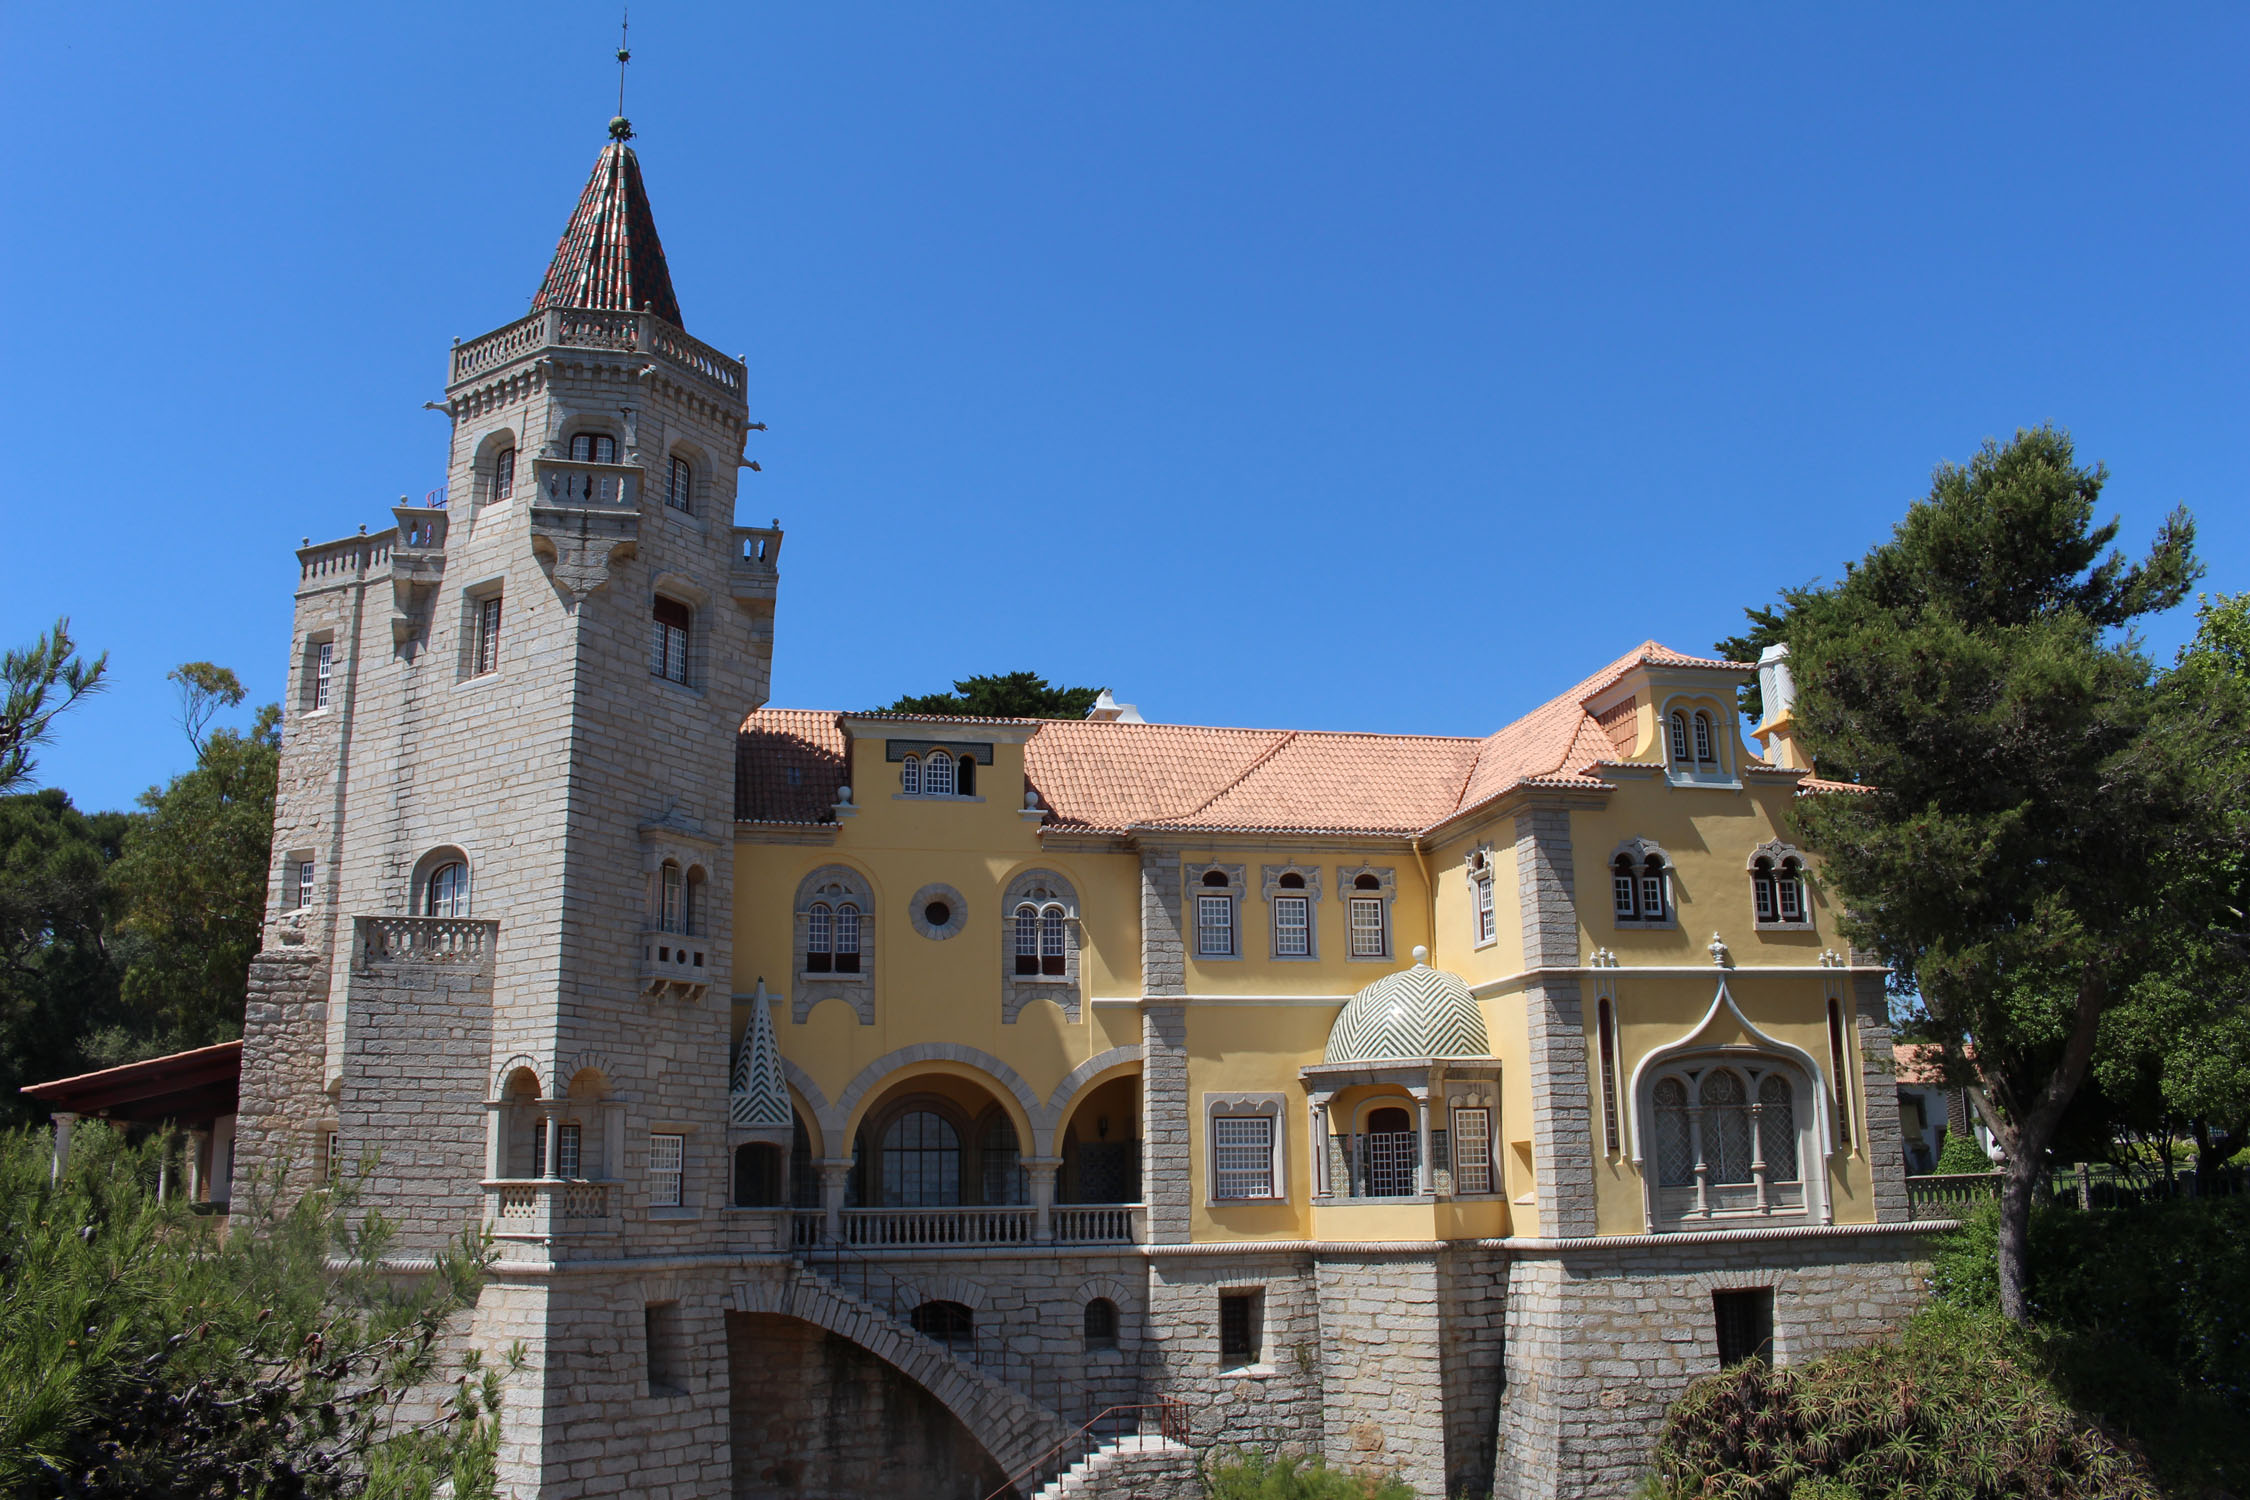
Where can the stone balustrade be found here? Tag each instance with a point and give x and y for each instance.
(353, 554)
(1949, 1195)
(901, 1227)
(539, 1207)
(592, 328)
(462, 941)
(1099, 1223)
(566, 483)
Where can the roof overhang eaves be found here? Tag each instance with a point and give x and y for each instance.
(1553, 791)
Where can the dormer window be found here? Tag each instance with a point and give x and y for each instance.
(937, 775)
(680, 488)
(593, 448)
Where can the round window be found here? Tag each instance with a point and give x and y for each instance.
(937, 914)
(937, 911)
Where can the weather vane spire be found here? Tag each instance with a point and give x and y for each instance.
(620, 128)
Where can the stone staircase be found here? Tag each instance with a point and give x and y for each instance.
(1141, 1468)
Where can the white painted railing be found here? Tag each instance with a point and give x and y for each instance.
(1096, 1223)
(937, 1226)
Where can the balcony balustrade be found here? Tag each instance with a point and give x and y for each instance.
(594, 328)
(878, 1229)
(540, 1207)
(461, 941)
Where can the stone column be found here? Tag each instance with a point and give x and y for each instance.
(1042, 1170)
(1318, 1113)
(198, 1142)
(1878, 1098)
(550, 1165)
(1562, 1144)
(1425, 1178)
(835, 1176)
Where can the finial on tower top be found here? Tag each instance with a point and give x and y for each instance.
(620, 128)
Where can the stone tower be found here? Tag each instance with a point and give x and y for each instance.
(497, 960)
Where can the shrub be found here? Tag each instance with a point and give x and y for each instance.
(1955, 1410)
(1257, 1475)
(1962, 1154)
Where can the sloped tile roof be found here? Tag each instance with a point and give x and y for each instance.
(1114, 777)
(609, 257)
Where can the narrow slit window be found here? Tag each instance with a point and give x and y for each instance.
(305, 877)
(669, 654)
(504, 474)
(1481, 887)
(679, 491)
(488, 634)
(1841, 1093)
(324, 667)
(669, 899)
(1606, 1021)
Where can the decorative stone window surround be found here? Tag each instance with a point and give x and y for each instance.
(1482, 866)
(856, 990)
(1269, 877)
(1191, 878)
(956, 905)
(1778, 850)
(417, 894)
(1777, 1182)
(1273, 1107)
(1639, 850)
(1347, 892)
(1718, 772)
(896, 751)
(473, 597)
(488, 450)
(1040, 887)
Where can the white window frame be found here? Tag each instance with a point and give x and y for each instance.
(1649, 889)
(934, 782)
(568, 1142)
(1214, 923)
(1201, 947)
(667, 1169)
(1471, 1123)
(1271, 1111)
(1368, 925)
(1349, 891)
(1292, 925)
(1484, 919)
(308, 879)
(910, 776)
(324, 670)
(1782, 884)
(1309, 891)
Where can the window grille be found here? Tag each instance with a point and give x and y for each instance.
(1292, 927)
(1051, 956)
(1238, 1328)
(1214, 926)
(1487, 929)
(1726, 1127)
(305, 878)
(668, 656)
(667, 1175)
(1389, 1161)
(324, 666)
(1368, 938)
(937, 775)
(488, 634)
(679, 491)
(1606, 1022)
(566, 1151)
(1703, 746)
(910, 776)
(504, 474)
(1472, 1150)
(1675, 1150)
(593, 448)
(668, 908)
(447, 894)
(1745, 1325)
(1777, 1128)
(1242, 1153)
(1101, 1324)
(539, 1147)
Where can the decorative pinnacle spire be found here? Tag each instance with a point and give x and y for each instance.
(620, 128)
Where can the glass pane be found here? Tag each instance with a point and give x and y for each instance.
(1292, 935)
(1242, 1156)
(1367, 929)
(1214, 926)
(1777, 1128)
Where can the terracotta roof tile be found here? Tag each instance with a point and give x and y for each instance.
(1109, 776)
(609, 257)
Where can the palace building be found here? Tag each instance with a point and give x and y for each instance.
(868, 1103)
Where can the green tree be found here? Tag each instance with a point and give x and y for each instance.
(193, 876)
(2029, 787)
(33, 678)
(1016, 695)
(58, 977)
(141, 1355)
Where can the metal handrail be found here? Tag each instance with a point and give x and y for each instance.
(1171, 1425)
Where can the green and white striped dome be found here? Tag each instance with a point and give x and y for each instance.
(1414, 1013)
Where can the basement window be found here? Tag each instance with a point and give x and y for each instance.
(1238, 1329)
(667, 1354)
(1745, 1325)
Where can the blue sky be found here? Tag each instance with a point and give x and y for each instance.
(1379, 367)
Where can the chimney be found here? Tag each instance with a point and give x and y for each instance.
(1777, 734)
(1108, 710)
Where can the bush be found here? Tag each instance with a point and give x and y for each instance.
(141, 1355)
(1962, 1154)
(1256, 1475)
(1957, 1409)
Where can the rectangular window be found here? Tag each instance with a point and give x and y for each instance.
(1292, 927)
(324, 666)
(305, 877)
(1238, 1328)
(332, 1156)
(1369, 940)
(1745, 1325)
(1486, 928)
(539, 1147)
(1472, 1150)
(1792, 896)
(1761, 887)
(1214, 926)
(1242, 1156)
(667, 1175)
(847, 939)
(1652, 898)
(668, 658)
(668, 909)
(488, 634)
(677, 492)
(1621, 887)
(661, 1337)
(566, 1152)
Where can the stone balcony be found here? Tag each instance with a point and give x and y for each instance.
(462, 943)
(673, 966)
(540, 1208)
(874, 1231)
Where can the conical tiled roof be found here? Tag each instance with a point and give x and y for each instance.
(757, 1097)
(1414, 1013)
(610, 257)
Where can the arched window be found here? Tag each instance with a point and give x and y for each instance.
(965, 775)
(820, 938)
(1727, 1141)
(1005, 1179)
(1027, 939)
(593, 448)
(757, 1175)
(1680, 738)
(446, 893)
(1726, 1127)
(1777, 1129)
(1706, 751)
(921, 1162)
(679, 490)
(1605, 1022)
(1480, 897)
(1675, 1146)
(1842, 1094)
(847, 938)
(1388, 1156)
(1653, 904)
(1101, 1324)
(504, 474)
(670, 898)
(910, 776)
(937, 775)
(1639, 888)
(950, 1323)
(832, 907)
(1051, 956)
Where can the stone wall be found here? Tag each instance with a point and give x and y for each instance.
(1382, 1392)
(417, 1041)
(284, 1041)
(1275, 1402)
(1601, 1340)
(815, 1417)
(1561, 1115)
(1472, 1288)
